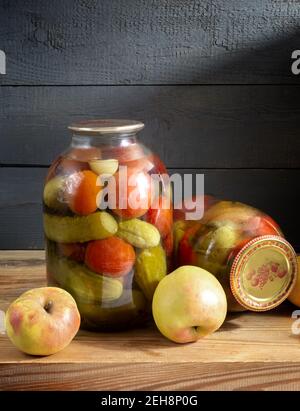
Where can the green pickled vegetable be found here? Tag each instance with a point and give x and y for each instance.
(82, 283)
(96, 226)
(179, 228)
(151, 267)
(131, 307)
(217, 243)
(139, 233)
(54, 193)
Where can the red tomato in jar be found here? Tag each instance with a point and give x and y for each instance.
(111, 256)
(161, 217)
(124, 154)
(159, 167)
(168, 243)
(149, 163)
(75, 251)
(186, 253)
(82, 191)
(189, 206)
(143, 164)
(237, 249)
(85, 154)
(65, 166)
(131, 195)
(262, 225)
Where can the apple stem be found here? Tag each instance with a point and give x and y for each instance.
(48, 306)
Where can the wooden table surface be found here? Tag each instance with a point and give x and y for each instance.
(252, 351)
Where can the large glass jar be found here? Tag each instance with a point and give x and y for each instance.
(244, 248)
(108, 228)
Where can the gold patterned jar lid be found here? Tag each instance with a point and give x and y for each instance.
(263, 273)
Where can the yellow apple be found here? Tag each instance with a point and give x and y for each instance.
(189, 304)
(294, 296)
(42, 321)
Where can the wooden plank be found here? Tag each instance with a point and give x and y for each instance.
(21, 208)
(192, 376)
(271, 190)
(142, 42)
(253, 351)
(189, 126)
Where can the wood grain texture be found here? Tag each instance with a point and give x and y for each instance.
(253, 351)
(188, 126)
(270, 190)
(148, 42)
(189, 376)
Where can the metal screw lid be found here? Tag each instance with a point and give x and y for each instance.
(106, 126)
(263, 273)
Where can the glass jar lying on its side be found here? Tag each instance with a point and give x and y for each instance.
(107, 244)
(244, 248)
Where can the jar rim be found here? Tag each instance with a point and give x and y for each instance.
(106, 126)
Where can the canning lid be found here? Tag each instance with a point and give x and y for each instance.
(106, 126)
(263, 273)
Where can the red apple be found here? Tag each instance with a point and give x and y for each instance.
(42, 321)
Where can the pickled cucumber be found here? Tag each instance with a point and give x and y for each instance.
(225, 211)
(218, 270)
(82, 283)
(54, 193)
(131, 307)
(151, 267)
(75, 229)
(179, 228)
(217, 243)
(139, 233)
(221, 272)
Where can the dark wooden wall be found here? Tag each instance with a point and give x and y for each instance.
(211, 79)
